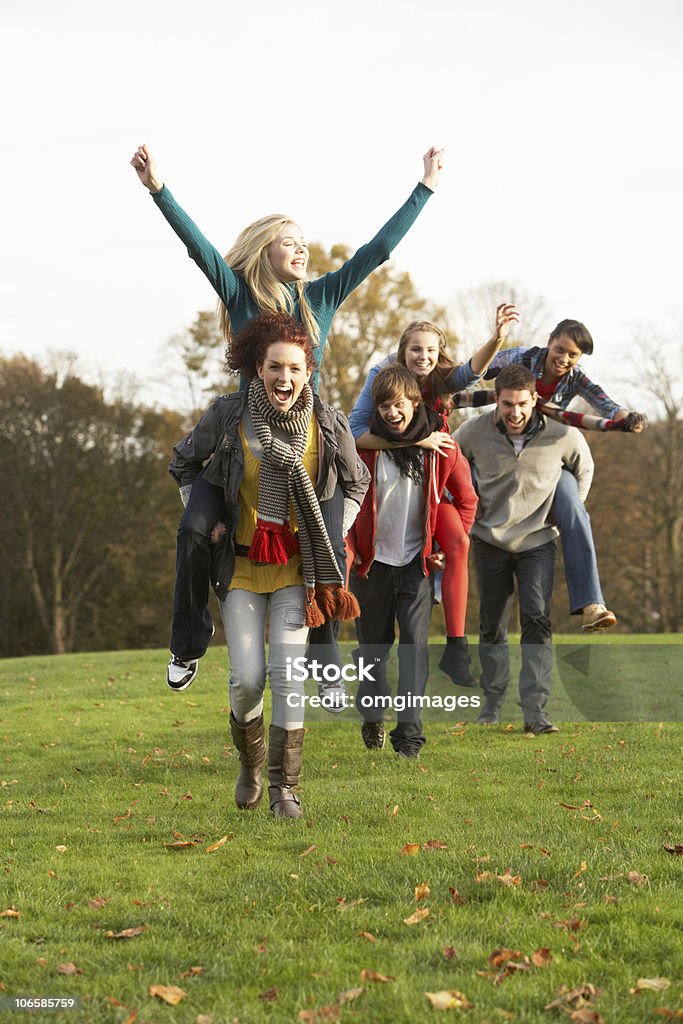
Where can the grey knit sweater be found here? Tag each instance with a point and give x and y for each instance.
(516, 490)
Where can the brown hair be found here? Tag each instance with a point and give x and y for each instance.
(436, 386)
(515, 378)
(250, 346)
(395, 382)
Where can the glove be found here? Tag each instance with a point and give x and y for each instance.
(351, 510)
(634, 421)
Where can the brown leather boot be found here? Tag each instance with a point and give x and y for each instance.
(250, 743)
(285, 749)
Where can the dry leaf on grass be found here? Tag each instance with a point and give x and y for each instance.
(128, 933)
(573, 998)
(319, 1016)
(271, 995)
(367, 975)
(98, 902)
(434, 844)
(449, 952)
(69, 969)
(635, 878)
(422, 891)
(170, 994)
(204, 1018)
(11, 912)
(501, 956)
(456, 897)
(449, 1000)
(309, 850)
(673, 848)
(507, 878)
(651, 984)
(217, 845)
(586, 1017)
(369, 936)
(418, 916)
(181, 845)
(410, 849)
(192, 972)
(349, 995)
(542, 957)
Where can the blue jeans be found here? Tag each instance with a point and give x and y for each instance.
(496, 573)
(403, 594)
(580, 560)
(244, 619)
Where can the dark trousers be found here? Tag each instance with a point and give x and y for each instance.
(393, 594)
(192, 624)
(496, 572)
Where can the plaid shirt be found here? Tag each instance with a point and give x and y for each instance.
(572, 384)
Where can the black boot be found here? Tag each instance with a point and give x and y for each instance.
(285, 752)
(250, 743)
(455, 661)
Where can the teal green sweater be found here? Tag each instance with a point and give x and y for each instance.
(325, 295)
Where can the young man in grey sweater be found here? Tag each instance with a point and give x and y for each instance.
(517, 456)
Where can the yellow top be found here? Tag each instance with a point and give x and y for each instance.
(264, 579)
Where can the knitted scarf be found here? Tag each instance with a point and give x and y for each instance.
(409, 460)
(582, 420)
(283, 480)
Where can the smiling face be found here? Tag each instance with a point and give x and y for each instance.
(288, 254)
(421, 353)
(397, 412)
(563, 355)
(284, 373)
(515, 409)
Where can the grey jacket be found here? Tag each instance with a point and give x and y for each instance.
(216, 438)
(516, 491)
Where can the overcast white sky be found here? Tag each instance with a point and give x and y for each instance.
(562, 123)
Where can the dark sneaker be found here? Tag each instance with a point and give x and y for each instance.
(489, 714)
(180, 674)
(332, 696)
(411, 752)
(540, 726)
(373, 735)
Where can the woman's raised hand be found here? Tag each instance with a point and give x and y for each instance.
(439, 441)
(506, 314)
(146, 168)
(433, 164)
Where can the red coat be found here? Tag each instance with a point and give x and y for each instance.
(442, 472)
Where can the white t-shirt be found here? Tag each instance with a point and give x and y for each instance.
(400, 513)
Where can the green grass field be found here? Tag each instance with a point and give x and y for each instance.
(549, 849)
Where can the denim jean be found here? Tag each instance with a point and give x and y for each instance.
(392, 594)
(244, 619)
(496, 572)
(192, 623)
(578, 547)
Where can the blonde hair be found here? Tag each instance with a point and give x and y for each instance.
(249, 257)
(436, 385)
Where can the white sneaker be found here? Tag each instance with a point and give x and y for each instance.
(332, 696)
(179, 673)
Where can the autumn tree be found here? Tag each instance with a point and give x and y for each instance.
(89, 507)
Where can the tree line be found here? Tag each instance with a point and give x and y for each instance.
(90, 513)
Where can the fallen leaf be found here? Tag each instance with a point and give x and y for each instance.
(422, 891)
(586, 1017)
(410, 849)
(217, 845)
(127, 933)
(584, 867)
(331, 861)
(349, 995)
(635, 878)
(501, 956)
(309, 850)
(367, 975)
(580, 996)
(542, 957)
(574, 807)
(98, 902)
(369, 936)
(61, 849)
(673, 848)
(434, 844)
(192, 972)
(11, 912)
(418, 916)
(323, 1013)
(271, 995)
(181, 845)
(69, 969)
(653, 984)
(449, 1000)
(449, 952)
(663, 1011)
(170, 994)
(456, 897)
(204, 1018)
